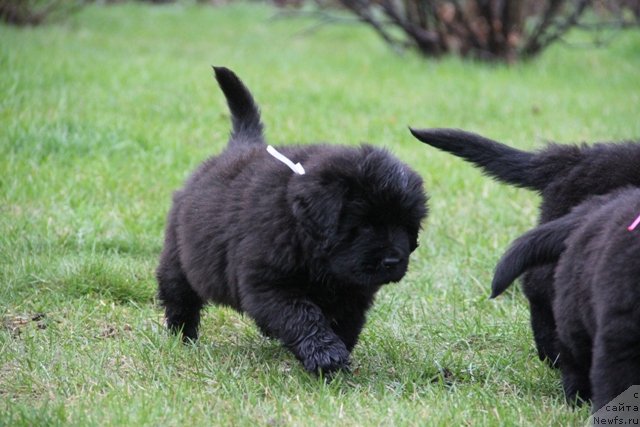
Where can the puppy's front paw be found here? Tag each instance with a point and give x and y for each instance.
(326, 358)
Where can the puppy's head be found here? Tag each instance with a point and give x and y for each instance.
(362, 209)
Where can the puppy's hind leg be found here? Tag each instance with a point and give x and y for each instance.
(575, 378)
(543, 326)
(537, 286)
(181, 303)
(616, 361)
(301, 326)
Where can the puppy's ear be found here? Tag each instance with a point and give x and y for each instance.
(317, 208)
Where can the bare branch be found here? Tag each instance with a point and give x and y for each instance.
(362, 10)
(426, 41)
(21, 12)
(486, 11)
(557, 31)
(533, 43)
(471, 34)
(486, 29)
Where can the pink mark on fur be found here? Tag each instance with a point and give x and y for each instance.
(635, 224)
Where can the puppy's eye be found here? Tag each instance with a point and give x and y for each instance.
(358, 231)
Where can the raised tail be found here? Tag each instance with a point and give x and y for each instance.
(498, 160)
(245, 115)
(542, 245)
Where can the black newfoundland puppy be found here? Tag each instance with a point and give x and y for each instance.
(299, 240)
(597, 291)
(564, 175)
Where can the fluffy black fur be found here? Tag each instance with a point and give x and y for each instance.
(564, 175)
(303, 255)
(597, 292)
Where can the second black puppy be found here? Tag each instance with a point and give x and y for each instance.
(300, 240)
(564, 175)
(597, 291)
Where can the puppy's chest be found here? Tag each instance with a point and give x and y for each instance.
(333, 298)
(336, 302)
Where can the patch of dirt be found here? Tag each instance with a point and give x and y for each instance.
(17, 323)
(112, 331)
(444, 376)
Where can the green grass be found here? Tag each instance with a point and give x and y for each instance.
(104, 115)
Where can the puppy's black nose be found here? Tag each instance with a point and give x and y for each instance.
(390, 262)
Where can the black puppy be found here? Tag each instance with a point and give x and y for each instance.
(597, 291)
(299, 245)
(564, 175)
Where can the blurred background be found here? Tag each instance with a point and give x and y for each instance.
(492, 30)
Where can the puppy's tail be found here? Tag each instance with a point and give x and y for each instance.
(245, 115)
(498, 160)
(542, 245)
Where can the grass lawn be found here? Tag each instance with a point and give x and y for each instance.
(104, 115)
